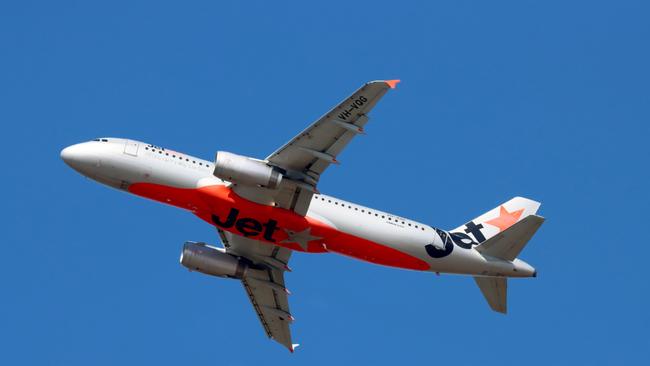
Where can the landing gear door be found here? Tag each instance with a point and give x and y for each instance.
(131, 148)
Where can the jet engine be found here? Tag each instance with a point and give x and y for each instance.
(212, 261)
(246, 171)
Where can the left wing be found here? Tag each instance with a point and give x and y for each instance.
(303, 159)
(264, 284)
(314, 149)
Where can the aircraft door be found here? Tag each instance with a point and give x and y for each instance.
(131, 148)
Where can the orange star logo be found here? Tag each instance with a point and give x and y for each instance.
(505, 219)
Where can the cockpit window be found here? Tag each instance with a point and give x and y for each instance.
(101, 140)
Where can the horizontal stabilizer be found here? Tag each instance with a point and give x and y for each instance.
(509, 243)
(495, 291)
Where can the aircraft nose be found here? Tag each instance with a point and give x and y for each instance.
(72, 154)
(79, 157)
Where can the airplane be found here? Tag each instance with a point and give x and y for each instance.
(264, 210)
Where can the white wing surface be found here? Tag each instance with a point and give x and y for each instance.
(495, 291)
(315, 148)
(264, 284)
(303, 159)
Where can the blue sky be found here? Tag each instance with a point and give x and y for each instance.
(546, 99)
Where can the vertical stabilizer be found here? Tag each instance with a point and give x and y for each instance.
(498, 219)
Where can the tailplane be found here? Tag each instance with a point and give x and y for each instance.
(498, 219)
(495, 291)
(502, 233)
(508, 244)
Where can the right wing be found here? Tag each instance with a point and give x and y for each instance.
(264, 284)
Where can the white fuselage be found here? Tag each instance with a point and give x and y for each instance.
(350, 229)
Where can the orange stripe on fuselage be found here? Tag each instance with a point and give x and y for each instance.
(261, 222)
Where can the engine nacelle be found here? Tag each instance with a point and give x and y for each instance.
(212, 261)
(246, 171)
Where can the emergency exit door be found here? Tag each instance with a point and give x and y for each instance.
(131, 148)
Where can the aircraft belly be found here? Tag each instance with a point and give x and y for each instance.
(265, 208)
(369, 238)
(322, 230)
(165, 171)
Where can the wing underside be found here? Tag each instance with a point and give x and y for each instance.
(264, 284)
(302, 160)
(305, 157)
(315, 148)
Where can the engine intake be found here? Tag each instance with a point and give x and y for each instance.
(246, 171)
(212, 261)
